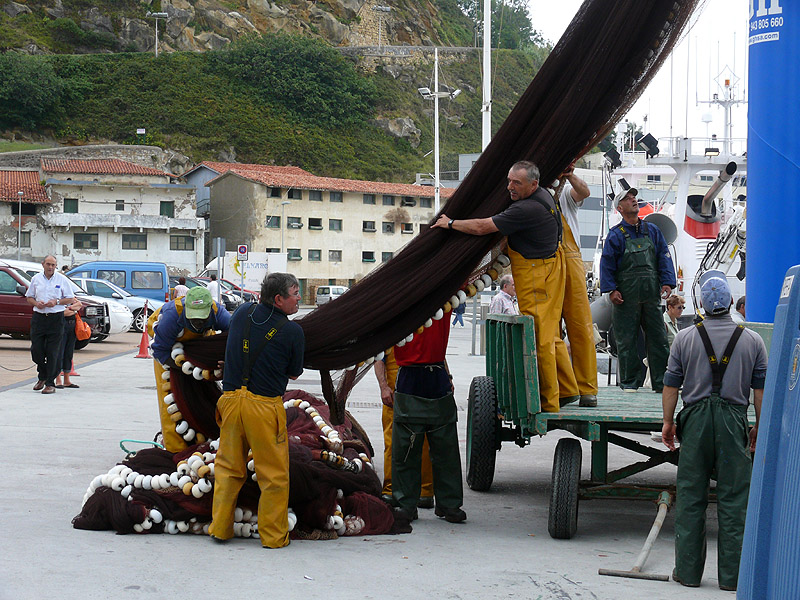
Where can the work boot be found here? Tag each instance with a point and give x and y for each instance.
(568, 400)
(451, 515)
(588, 400)
(676, 578)
(425, 502)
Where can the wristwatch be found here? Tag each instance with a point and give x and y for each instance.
(450, 223)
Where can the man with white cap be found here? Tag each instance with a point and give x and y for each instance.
(636, 271)
(717, 362)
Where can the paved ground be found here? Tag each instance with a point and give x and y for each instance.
(54, 445)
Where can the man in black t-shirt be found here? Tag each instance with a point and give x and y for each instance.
(263, 352)
(533, 226)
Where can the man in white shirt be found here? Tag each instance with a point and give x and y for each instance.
(503, 302)
(214, 288)
(49, 293)
(181, 289)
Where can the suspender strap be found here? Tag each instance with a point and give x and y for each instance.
(718, 367)
(643, 229)
(553, 211)
(250, 358)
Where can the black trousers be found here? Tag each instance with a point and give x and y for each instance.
(46, 332)
(67, 346)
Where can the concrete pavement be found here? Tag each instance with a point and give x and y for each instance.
(54, 445)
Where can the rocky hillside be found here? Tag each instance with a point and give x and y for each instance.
(90, 26)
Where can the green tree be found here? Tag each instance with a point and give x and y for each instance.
(511, 26)
(306, 76)
(30, 92)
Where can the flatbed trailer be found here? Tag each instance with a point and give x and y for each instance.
(504, 406)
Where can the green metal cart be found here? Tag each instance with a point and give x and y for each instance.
(504, 407)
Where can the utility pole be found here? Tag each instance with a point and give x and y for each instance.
(157, 16)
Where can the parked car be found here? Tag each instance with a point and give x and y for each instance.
(121, 317)
(148, 279)
(16, 313)
(136, 304)
(230, 301)
(326, 293)
(232, 288)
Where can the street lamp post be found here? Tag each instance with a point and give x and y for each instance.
(19, 225)
(436, 94)
(283, 220)
(157, 16)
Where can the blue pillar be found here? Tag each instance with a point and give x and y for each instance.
(773, 153)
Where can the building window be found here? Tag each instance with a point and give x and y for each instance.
(406, 228)
(294, 222)
(70, 205)
(25, 239)
(335, 255)
(273, 221)
(294, 194)
(314, 255)
(120, 204)
(274, 192)
(167, 209)
(272, 250)
(314, 223)
(134, 241)
(408, 201)
(369, 198)
(84, 241)
(368, 226)
(336, 196)
(386, 256)
(315, 195)
(367, 256)
(387, 227)
(335, 224)
(181, 242)
(293, 254)
(27, 209)
(388, 200)
(426, 202)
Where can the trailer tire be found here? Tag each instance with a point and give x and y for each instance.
(483, 433)
(562, 522)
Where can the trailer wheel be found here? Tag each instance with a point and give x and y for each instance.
(563, 520)
(483, 433)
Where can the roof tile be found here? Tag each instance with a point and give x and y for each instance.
(27, 182)
(104, 166)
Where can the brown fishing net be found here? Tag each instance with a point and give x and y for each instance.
(599, 68)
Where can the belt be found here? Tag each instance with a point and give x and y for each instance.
(52, 314)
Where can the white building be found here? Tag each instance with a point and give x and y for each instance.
(104, 209)
(334, 231)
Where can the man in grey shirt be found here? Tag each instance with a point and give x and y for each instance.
(712, 428)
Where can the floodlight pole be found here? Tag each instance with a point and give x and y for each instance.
(157, 16)
(19, 225)
(436, 180)
(486, 109)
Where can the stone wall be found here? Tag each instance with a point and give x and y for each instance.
(147, 156)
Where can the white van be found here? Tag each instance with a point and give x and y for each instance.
(326, 293)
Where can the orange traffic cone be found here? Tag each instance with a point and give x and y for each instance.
(144, 347)
(73, 372)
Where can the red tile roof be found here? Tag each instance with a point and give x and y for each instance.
(12, 182)
(312, 182)
(104, 166)
(224, 167)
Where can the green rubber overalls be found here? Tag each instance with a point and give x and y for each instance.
(638, 282)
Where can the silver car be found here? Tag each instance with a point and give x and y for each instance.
(136, 304)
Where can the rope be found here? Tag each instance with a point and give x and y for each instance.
(131, 453)
(17, 370)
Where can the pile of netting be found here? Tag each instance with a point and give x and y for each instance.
(334, 489)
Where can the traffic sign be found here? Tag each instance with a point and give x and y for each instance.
(241, 252)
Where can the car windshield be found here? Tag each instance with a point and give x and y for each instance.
(113, 288)
(21, 273)
(76, 288)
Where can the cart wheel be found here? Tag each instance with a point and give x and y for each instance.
(563, 520)
(483, 433)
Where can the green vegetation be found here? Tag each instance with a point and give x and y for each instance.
(281, 99)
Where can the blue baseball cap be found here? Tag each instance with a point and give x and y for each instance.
(715, 293)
